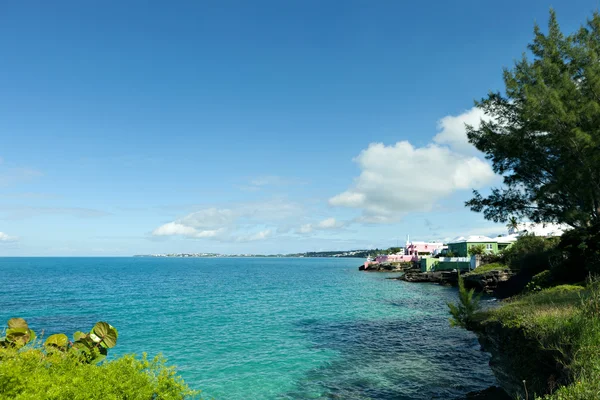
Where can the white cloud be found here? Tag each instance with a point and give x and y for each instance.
(6, 238)
(238, 223)
(174, 228)
(453, 132)
(401, 178)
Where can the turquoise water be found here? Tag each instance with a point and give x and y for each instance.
(259, 328)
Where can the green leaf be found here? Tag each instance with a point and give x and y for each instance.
(18, 336)
(32, 335)
(59, 340)
(105, 334)
(15, 323)
(79, 335)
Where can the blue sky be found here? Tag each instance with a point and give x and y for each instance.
(234, 127)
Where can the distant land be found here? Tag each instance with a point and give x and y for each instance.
(338, 254)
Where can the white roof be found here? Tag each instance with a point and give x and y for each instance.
(547, 229)
(474, 238)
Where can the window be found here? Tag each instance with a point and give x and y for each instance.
(489, 246)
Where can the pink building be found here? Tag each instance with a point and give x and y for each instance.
(422, 248)
(412, 252)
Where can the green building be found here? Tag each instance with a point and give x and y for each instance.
(461, 246)
(445, 264)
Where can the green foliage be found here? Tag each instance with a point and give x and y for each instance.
(491, 258)
(540, 281)
(468, 304)
(18, 334)
(477, 250)
(512, 224)
(544, 132)
(565, 321)
(580, 250)
(488, 267)
(71, 370)
(577, 343)
(530, 254)
(58, 340)
(33, 374)
(91, 348)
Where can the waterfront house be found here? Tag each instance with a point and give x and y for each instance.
(461, 246)
(413, 251)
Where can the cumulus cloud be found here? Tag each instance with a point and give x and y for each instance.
(401, 178)
(239, 223)
(6, 238)
(174, 228)
(452, 131)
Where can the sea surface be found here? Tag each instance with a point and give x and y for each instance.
(259, 328)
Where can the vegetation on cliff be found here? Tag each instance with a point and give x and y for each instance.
(552, 340)
(59, 368)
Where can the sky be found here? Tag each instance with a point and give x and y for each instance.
(136, 127)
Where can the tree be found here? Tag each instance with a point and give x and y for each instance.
(543, 134)
(512, 225)
(477, 250)
(468, 304)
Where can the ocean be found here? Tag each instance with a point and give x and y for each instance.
(259, 328)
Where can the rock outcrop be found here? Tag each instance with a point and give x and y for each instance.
(517, 357)
(442, 277)
(488, 281)
(386, 267)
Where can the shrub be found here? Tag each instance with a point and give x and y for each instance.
(493, 258)
(531, 254)
(64, 369)
(540, 281)
(30, 373)
(468, 304)
(580, 251)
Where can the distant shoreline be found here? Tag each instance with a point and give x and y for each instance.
(243, 256)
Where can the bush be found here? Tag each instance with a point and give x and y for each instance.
(580, 251)
(64, 369)
(531, 254)
(493, 258)
(540, 281)
(32, 374)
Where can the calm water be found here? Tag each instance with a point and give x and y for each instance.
(259, 328)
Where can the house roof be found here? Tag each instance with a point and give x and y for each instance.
(473, 239)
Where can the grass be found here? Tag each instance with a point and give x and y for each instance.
(536, 309)
(487, 268)
(564, 320)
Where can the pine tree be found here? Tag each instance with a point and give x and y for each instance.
(544, 133)
(468, 304)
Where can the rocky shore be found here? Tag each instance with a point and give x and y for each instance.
(489, 282)
(385, 267)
